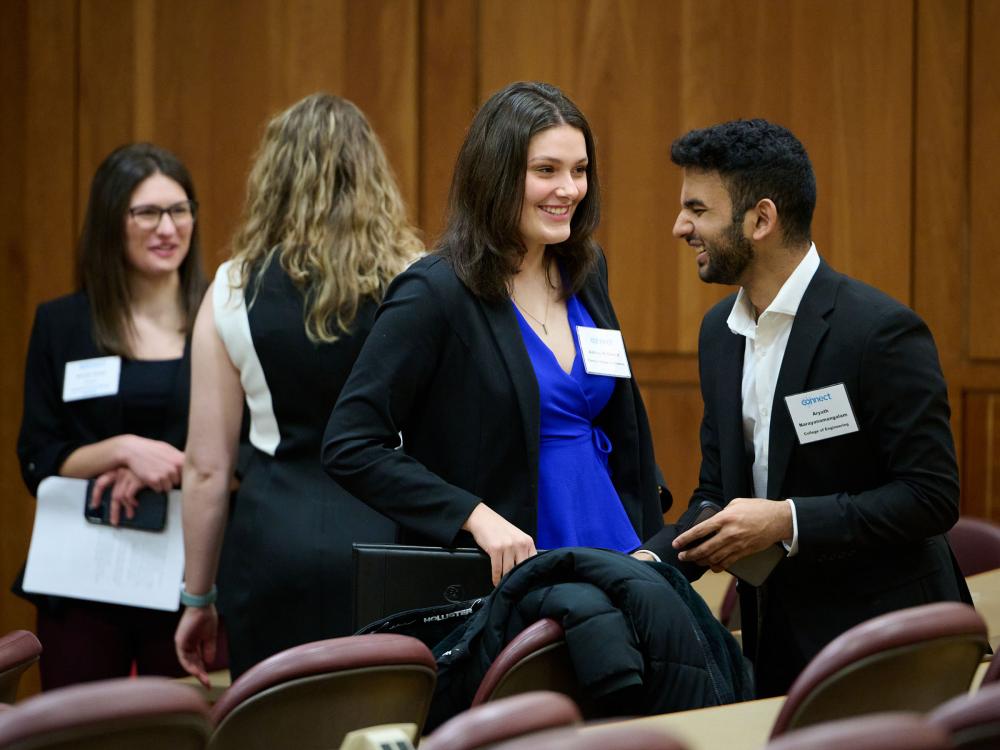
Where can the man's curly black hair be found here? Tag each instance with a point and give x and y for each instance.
(756, 159)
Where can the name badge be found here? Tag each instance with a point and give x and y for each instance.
(603, 352)
(822, 413)
(91, 378)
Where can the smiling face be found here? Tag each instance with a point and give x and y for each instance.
(154, 252)
(554, 185)
(706, 223)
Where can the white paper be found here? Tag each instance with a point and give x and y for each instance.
(603, 351)
(70, 556)
(822, 413)
(91, 378)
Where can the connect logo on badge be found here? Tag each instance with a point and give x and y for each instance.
(817, 399)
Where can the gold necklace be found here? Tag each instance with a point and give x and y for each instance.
(542, 323)
(548, 299)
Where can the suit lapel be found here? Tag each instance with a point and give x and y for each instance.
(736, 480)
(507, 334)
(808, 330)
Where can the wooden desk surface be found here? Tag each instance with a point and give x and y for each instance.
(985, 589)
(738, 726)
(220, 681)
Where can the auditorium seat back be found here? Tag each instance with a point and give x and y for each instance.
(310, 696)
(909, 660)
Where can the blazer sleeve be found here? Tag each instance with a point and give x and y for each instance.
(710, 473)
(904, 405)
(361, 447)
(45, 438)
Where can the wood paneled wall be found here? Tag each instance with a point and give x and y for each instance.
(896, 101)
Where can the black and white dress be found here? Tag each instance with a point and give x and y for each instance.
(291, 528)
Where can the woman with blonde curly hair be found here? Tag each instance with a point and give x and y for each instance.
(324, 230)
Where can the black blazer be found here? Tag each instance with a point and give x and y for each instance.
(51, 429)
(451, 375)
(872, 506)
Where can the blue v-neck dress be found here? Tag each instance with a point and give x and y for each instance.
(578, 505)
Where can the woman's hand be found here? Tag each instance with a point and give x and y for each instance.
(157, 464)
(195, 640)
(506, 544)
(125, 484)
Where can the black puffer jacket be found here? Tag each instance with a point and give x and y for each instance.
(637, 635)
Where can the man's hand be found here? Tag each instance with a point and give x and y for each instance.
(506, 544)
(745, 526)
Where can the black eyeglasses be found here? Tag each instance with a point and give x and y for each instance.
(149, 217)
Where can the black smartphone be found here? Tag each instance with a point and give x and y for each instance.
(705, 510)
(755, 568)
(151, 515)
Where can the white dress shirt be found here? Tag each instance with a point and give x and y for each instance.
(766, 338)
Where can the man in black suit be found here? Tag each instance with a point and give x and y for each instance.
(825, 427)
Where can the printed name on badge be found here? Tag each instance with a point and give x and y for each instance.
(603, 351)
(91, 378)
(822, 413)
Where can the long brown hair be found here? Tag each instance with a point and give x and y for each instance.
(101, 266)
(322, 200)
(482, 239)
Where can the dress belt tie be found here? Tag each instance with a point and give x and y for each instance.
(602, 442)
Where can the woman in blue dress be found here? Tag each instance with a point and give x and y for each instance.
(473, 414)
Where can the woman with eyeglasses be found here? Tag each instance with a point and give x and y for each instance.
(140, 283)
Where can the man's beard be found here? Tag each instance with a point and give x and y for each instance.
(728, 258)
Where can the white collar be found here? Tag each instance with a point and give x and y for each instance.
(786, 302)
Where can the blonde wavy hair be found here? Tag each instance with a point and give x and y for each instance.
(322, 199)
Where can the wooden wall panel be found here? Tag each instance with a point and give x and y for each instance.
(16, 509)
(51, 115)
(382, 76)
(984, 165)
(39, 115)
(981, 461)
(939, 187)
(448, 100)
(107, 51)
(675, 414)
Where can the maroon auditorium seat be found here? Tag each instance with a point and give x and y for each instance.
(503, 719)
(19, 649)
(535, 659)
(311, 695)
(976, 544)
(143, 713)
(971, 720)
(909, 660)
(889, 731)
